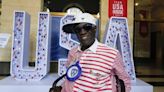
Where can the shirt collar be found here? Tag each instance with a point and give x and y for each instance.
(92, 48)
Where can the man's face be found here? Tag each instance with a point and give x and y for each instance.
(85, 33)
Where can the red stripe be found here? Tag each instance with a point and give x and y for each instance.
(98, 57)
(107, 55)
(88, 60)
(95, 69)
(106, 48)
(80, 89)
(100, 51)
(96, 89)
(87, 86)
(95, 65)
(87, 81)
(88, 76)
(100, 90)
(107, 51)
(100, 80)
(105, 80)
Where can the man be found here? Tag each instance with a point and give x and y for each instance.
(95, 63)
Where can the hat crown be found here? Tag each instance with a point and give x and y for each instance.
(85, 18)
(69, 21)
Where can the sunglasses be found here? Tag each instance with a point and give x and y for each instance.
(87, 27)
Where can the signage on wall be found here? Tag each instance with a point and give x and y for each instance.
(4, 37)
(117, 8)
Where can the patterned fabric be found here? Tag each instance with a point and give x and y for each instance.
(99, 64)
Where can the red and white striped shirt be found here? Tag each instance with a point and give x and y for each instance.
(99, 64)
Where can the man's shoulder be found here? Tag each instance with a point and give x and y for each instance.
(74, 48)
(102, 45)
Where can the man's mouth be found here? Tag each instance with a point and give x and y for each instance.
(84, 37)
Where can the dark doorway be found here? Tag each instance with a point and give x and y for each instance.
(90, 6)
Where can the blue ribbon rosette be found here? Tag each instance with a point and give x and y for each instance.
(74, 72)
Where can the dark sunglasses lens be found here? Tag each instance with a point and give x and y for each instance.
(88, 26)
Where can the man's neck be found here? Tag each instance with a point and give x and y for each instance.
(84, 47)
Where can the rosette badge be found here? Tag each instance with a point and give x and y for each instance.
(73, 72)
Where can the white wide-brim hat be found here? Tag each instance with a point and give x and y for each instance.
(79, 18)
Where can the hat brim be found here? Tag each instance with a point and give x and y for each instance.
(68, 28)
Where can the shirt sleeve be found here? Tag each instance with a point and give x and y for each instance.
(67, 85)
(71, 57)
(120, 71)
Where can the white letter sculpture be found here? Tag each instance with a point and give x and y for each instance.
(20, 69)
(117, 36)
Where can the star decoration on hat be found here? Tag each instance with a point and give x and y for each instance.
(73, 19)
